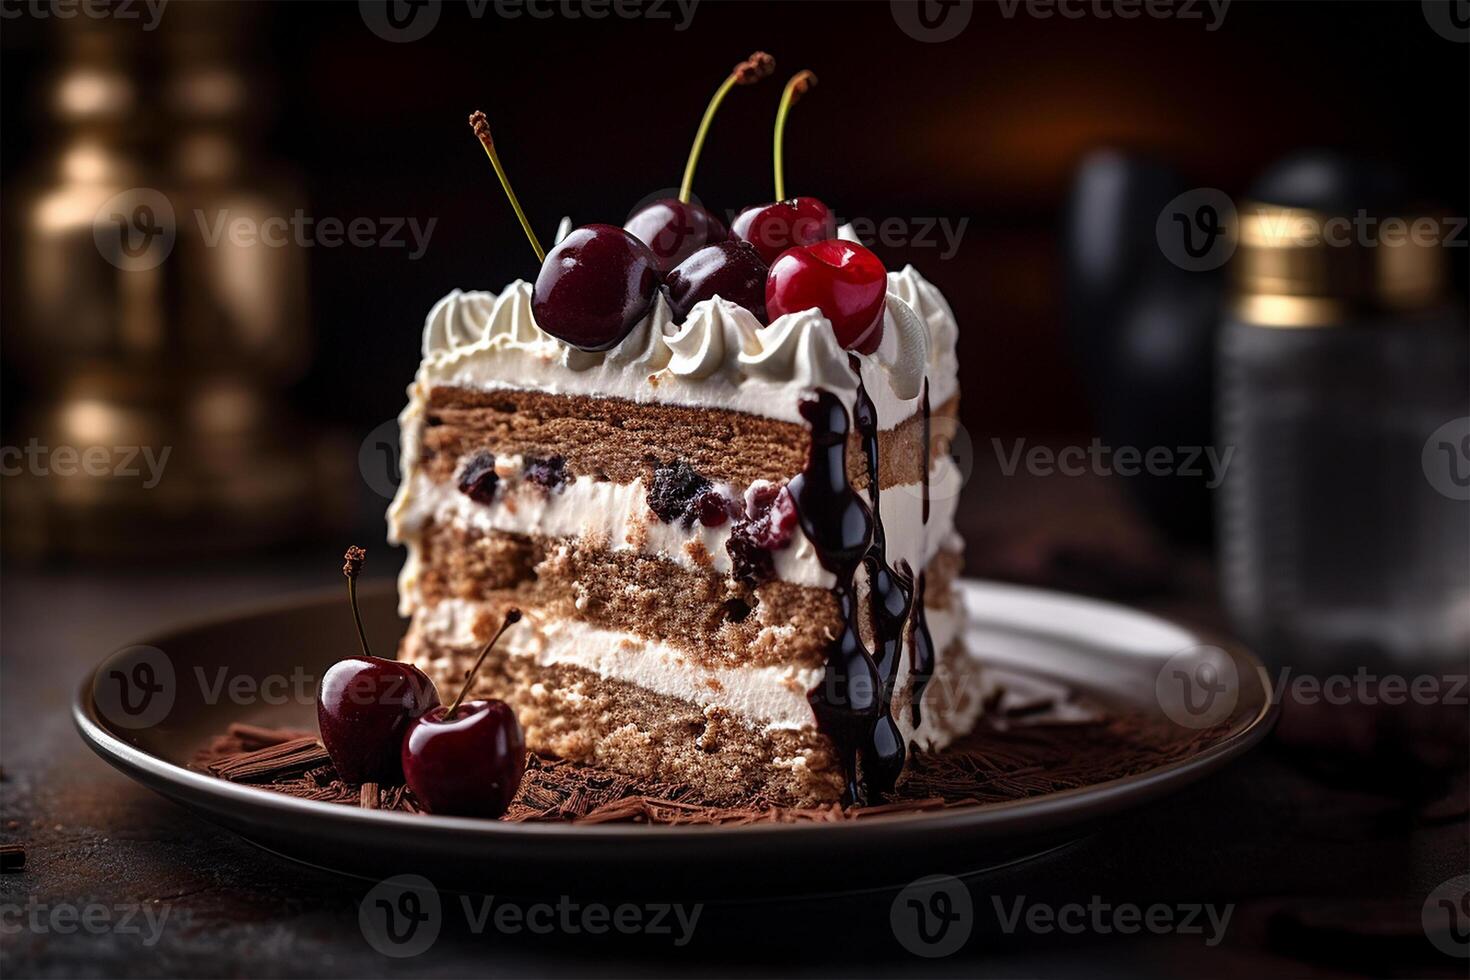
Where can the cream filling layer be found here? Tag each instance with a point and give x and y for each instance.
(616, 516)
(769, 698)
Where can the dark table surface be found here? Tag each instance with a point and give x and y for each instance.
(1321, 847)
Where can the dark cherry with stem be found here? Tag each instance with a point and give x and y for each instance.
(731, 270)
(365, 704)
(467, 760)
(594, 285)
(785, 223)
(675, 228)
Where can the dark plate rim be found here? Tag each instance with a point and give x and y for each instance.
(1033, 813)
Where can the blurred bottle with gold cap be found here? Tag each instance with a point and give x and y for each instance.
(146, 337)
(1342, 392)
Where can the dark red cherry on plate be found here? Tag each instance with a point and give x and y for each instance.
(773, 228)
(731, 270)
(843, 280)
(594, 287)
(675, 229)
(364, 707)
(467, 765)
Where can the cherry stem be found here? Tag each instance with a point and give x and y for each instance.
(799, 85)
(513, 616)
(748, 72)
(351, 565)
(481, 126)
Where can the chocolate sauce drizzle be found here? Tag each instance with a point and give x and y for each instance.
(925, 477)
(921, 654)
(853, 705)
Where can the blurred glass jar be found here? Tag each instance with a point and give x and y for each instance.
(1342, 396)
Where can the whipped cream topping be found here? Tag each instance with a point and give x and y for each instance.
(720, 356)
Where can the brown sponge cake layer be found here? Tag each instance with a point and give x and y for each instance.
(619, 440)
(574, 714)
(718, 620)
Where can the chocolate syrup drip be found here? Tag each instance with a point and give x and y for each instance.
(854, 703)
(925, 478)
(921, 654)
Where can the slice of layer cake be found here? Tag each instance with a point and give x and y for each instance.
(733, 544)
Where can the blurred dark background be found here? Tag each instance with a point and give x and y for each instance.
(594, 116)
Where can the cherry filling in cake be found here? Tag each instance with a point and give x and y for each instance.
(733, 543)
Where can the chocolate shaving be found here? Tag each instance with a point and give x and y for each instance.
(12, 857)
(269, 764)
(1027, 746)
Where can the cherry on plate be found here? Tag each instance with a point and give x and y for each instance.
(468, 765)
(364, 707)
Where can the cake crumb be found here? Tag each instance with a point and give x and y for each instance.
(698, 553)
(709, 739)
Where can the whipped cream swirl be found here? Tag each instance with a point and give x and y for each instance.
(720, 356)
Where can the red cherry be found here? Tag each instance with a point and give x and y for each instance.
(363, 708)
(773, 228)
(594, 287)
(675, 230)
(469, 765)
(843, 280)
